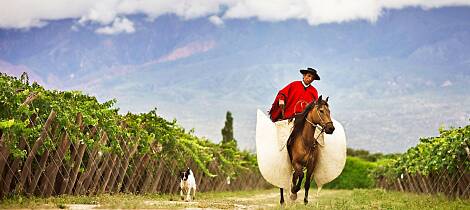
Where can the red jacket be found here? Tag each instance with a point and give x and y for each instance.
(296, 97)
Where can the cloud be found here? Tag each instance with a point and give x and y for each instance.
(446, 83)
(30, 13)
(119, 25)
(187, 50)
(216, 20)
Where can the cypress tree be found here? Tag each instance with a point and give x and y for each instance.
(227, 131)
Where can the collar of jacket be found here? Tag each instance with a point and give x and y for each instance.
(305, 86)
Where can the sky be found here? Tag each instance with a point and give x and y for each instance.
(111, 14)
(395, 70)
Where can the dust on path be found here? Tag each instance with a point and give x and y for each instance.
(263, 200)
(259, 200)
(81, 206)
(267, 199)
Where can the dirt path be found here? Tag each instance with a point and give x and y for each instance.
(258, 199)
(266, 199)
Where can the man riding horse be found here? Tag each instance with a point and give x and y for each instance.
(298, 99)
(287, 145)
(293, 98)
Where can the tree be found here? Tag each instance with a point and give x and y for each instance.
(227, 131)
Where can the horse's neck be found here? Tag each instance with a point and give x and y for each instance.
(308, 133)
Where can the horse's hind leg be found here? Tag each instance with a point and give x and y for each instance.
(282, 196)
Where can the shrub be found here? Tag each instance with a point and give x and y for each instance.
(355, 175)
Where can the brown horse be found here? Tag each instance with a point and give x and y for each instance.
(302, 143)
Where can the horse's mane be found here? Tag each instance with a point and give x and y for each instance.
(300, 120)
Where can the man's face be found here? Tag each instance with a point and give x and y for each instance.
(308, 78)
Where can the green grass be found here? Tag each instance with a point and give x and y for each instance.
(379, 199)
(258, 199)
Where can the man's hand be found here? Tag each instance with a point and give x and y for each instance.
(283, 106)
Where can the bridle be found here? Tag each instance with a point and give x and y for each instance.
(320, 126)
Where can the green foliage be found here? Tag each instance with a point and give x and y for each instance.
(355, 175)
(151, 134)
(433, 154)
(366, 155)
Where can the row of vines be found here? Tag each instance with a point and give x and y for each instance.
(436, 165)
(73, 135)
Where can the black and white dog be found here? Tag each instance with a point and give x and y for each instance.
(187, 183)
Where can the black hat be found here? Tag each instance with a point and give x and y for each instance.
(312, 71)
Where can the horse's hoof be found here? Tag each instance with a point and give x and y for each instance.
(305, 201)
(293, 196)
(295, 189)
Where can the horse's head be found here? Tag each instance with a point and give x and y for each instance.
(317, 113)
(320, 115)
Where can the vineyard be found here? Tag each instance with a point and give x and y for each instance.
(436, 165)
(66, 142)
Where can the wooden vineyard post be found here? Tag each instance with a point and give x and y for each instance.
(199, 178)
(148, 177)
(464, 182)
(82, 181)
(94, 182)
(114, 175)
(76, 167)
(136, 175)
(27, 165)
(4, 153)
(67, 167)
(174, 183)
(12, 171)
(54, 167)
(107, 173)
(157, 181)
(451, 186)
(167, 184)
(78, 161)
(95, 164)
(422, 183)
(440, 182)
(399, 184)
(128, 155)
(38, 173)
(410, 183)
(74, 147)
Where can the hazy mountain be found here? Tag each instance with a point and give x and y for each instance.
(390, 82)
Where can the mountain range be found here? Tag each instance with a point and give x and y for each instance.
(390, 82)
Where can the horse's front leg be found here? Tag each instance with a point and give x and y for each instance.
(307, 181)
(282, 196)
(296, 180)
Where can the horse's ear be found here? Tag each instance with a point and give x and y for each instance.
(327, 98)
(188, 171)
(319, 98)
